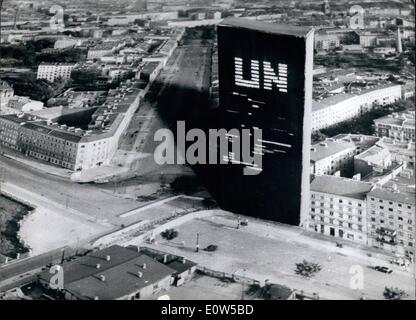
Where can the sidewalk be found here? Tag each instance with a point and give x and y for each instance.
(41, 166)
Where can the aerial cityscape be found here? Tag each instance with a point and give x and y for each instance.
(207, 150)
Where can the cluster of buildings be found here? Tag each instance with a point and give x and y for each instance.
(72, 147)
(81, 130)
(397, 126)
(13, 104)
(363, 190)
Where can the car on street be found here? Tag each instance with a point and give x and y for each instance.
(383, 269)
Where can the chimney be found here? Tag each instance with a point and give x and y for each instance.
(102, 277)
(165, 258)
(183, 260)
(140, 274)
(107, 258)
(96, 298)
(144, 266)
(97, 266)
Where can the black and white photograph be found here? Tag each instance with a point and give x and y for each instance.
(212, 153)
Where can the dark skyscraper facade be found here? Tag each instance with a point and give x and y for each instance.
(265, 76)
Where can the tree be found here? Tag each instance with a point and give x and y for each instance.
(394, 293)
(307, 269)
(169, 234)
(318, 136)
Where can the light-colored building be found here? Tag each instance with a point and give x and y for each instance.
(384, 50)
(104, 49)
(344, 106)
(326, 41)
(391, 216)
(53, 71)
(397, 126)
(18, 104)
(74, 148)
(401, 152)
(372, 159)
(338, 208)
(67, 42)
(6, 92)
(332, 155)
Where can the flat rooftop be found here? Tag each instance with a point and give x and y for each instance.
(341, 187)
(283, 29)
(329, 147)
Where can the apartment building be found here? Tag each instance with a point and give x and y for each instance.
(380, 215)
(336, 108)
(337, 153)
(53, 71)
(338, 208)
(397, 126)
(391, 216)
(69, 147)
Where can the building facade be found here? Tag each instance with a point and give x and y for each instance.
(344, 106)
(338, 208)
(53, 71)
(398, 126)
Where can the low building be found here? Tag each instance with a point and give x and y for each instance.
(384, 50)
(332, 155)
(337, 154)
(67, 42)
(18, 104)
(114, 273)
(376, 157)
(401, 152)
(6, 92)
(397, 126)
(184, 270)
(53, 71)
(104, 49)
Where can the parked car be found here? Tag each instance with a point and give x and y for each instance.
(211, 247)
(383, 269)
(400, 262)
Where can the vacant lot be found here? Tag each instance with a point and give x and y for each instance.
(11, 212)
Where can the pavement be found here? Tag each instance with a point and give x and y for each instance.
(265, 250)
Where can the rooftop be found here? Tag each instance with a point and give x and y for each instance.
(329, 147)
(86, 266)
(338, 98)
(120, 280)
(283, 29)
(341, 187)
(401, 119)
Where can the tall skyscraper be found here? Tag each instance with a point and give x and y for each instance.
(265, 77)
